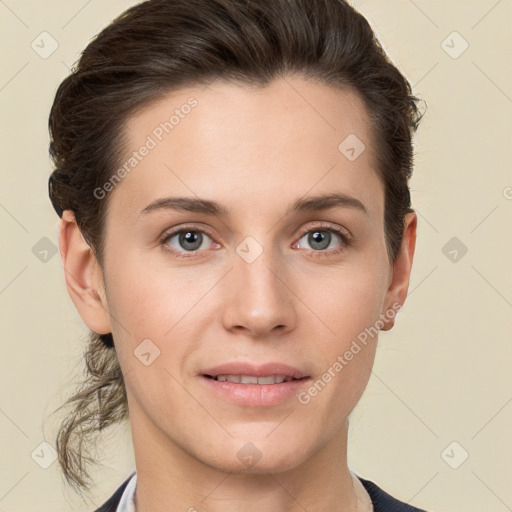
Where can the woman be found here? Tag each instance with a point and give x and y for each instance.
(236, 228)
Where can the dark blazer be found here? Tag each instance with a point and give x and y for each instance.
(381, 500)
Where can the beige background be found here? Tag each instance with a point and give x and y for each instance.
(443, 374)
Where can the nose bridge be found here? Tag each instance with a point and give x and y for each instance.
(257, 299)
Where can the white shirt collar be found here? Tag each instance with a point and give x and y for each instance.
(127, 503)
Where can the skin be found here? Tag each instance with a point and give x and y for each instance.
(255, 151)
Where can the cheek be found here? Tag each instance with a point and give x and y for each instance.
(346, 301)
(349, 308)
(152, 305)
(138, 292)
(156, 302)
(349, 304)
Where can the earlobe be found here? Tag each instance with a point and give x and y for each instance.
(84, 279)
(399, 285)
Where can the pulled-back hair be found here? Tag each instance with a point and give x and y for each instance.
(159, 46)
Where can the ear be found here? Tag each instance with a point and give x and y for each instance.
(84, 278)
(399, 283)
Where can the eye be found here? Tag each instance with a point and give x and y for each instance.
(189, 241)
(325, 239)
(185, 240)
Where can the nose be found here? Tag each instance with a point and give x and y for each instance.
(258, 300)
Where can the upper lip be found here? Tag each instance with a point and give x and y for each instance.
(256, 370)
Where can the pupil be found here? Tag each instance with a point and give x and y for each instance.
(320, 237)
(190, 237)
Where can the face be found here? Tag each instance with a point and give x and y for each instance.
(242, 279)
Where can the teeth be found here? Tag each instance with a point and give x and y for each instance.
(250, 379)
(271, 379)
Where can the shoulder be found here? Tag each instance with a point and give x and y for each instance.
(113, 502)
(384, 502)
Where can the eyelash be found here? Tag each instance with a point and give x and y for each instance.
(322, 226)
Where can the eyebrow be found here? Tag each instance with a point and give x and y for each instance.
(304, 204)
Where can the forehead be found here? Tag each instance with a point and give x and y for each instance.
(239, 144)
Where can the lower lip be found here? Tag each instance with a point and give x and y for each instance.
(255, 395)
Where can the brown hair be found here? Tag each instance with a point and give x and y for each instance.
(161, 45)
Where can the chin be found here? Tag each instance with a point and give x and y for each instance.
(253, 455)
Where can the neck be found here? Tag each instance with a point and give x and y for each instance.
(170, 479)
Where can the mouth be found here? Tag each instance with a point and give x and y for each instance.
(253, 379)
(250, 385)
(249, 373)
